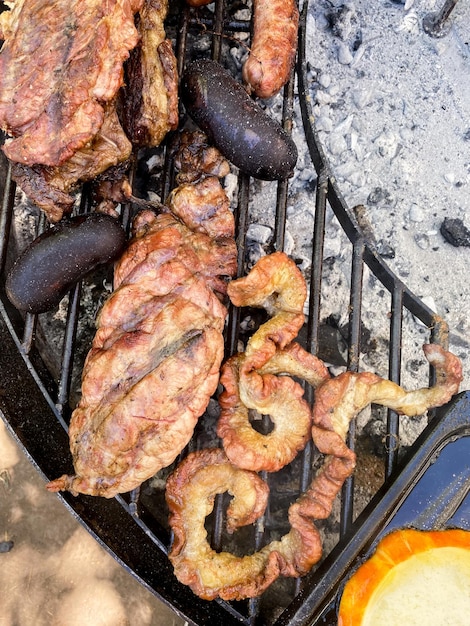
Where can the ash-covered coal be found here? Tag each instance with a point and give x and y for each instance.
(455, 232)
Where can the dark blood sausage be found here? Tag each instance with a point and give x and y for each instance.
(235, 124)
(60, 257)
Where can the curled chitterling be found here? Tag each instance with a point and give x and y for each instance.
(275, 284)
(251, 379)
(190, 494)
(341, 398)
(280, 397)
(191, 489)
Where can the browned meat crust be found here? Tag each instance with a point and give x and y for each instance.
(343, 397)
(55, 105)
(195, 157)
(51, 188)
(275, 284)
(61, 110)
(273, 48)
(190, 493)
(150, 105)
(155, 359)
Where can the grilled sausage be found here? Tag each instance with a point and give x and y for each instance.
(235, 124)
(60, 257)
(274, 46)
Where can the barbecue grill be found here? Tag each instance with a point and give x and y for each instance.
(425, 485)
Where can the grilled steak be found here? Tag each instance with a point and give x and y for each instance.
(60, 63)
(50, 188)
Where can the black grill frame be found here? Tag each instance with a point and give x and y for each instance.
(34, 399)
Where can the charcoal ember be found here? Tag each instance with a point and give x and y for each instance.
(378, 195)
(259, 233)
(254, 251)
(375, 431)
(385, 249)
(422, 241)
(455, 232)
(342, 21)
(368, 343)
(6, 546)
(364, 223)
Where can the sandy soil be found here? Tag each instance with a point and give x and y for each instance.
(55, 573)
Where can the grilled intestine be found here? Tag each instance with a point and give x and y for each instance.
(61, 73)
(251, 379)
(155, 360)
(191, 489)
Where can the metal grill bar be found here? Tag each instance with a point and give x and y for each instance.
(68, 349)
(6, 214)
(355, 308)
(393, 424)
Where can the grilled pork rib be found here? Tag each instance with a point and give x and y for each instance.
(155, 359)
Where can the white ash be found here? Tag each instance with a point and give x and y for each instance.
(394, 121)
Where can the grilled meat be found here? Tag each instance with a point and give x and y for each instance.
(192, 487)
(51, 188)
(150, 103)
(194, 156)
(190, 494)
(61, 62)
(268, 393)
(250, 379)
(63, 117)
(341, 398)
(274, 46)
(155, 359)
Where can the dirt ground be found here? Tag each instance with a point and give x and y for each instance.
(53, 572)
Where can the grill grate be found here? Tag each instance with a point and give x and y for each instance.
(132, 527)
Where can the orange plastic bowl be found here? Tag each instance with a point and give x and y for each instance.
(413, 578)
